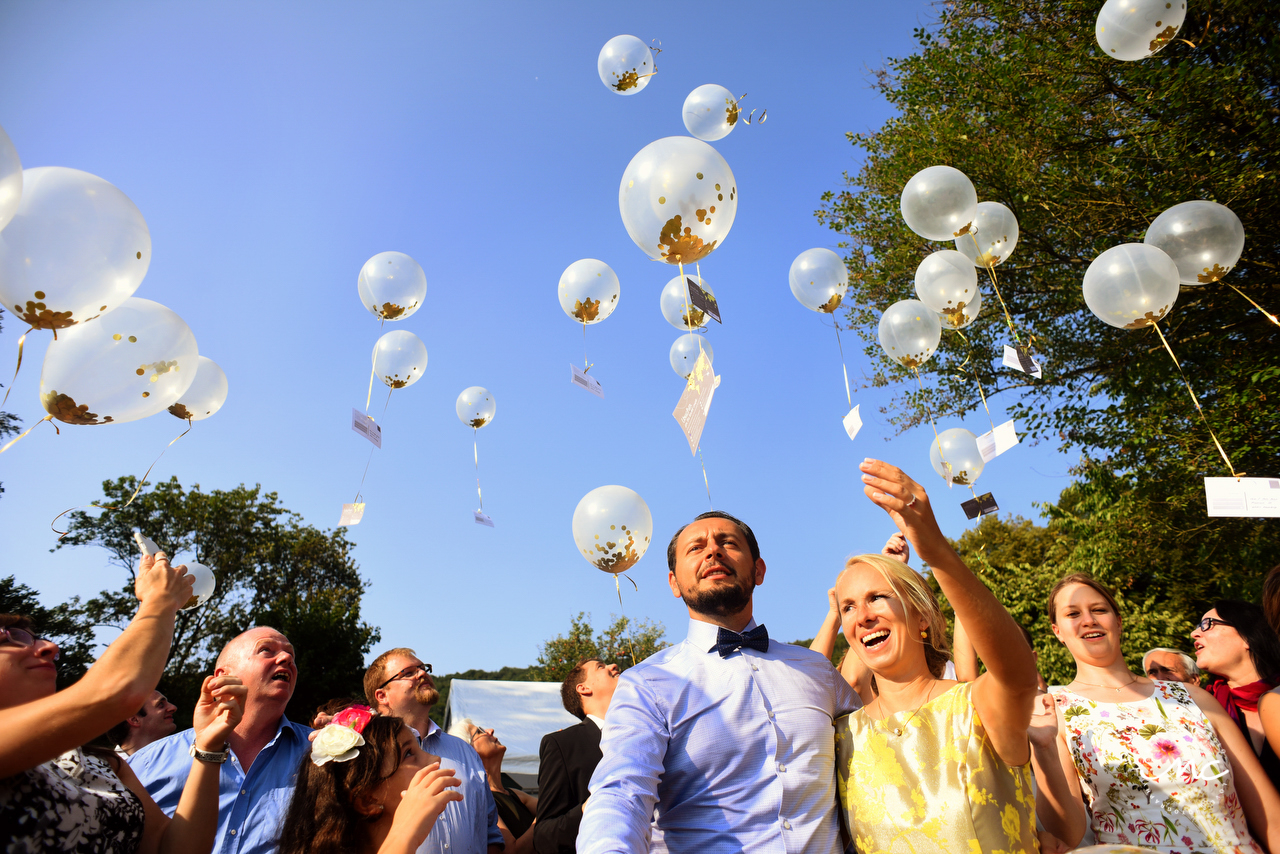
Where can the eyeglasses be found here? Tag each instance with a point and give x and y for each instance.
(407, 673)
(479, 732)
(1209, 622)
(24, 638)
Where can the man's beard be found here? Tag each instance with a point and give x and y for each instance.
(720, 601)
(426, 694)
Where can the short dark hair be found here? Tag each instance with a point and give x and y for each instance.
(569, 688)
(118, 733)
(713, 514)
(1250, 622)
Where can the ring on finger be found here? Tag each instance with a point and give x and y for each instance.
(913, 500)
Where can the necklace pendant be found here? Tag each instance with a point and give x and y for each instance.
(897, 731)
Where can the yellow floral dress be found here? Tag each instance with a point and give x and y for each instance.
(1155, 773)
(938, 787)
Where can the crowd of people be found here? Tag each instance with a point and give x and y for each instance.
(924, 739)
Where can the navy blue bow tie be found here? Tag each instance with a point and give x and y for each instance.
(728, 642)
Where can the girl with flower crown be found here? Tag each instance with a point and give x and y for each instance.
(366, 787)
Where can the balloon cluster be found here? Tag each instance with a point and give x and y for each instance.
(392, 287)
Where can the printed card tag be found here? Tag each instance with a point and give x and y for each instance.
(853, 422)
(581, 380)
(695, 402)
(367, 427)
(351, 514)
(1248, 496)
(995, 442)
(1020, 359)
(482, 519)
(980, 506)
(703, 301)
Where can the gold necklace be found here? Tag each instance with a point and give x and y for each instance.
(1108, 687)
(899, 729)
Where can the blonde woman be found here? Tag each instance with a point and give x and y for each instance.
(931, 764)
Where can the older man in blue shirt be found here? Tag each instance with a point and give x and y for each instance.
(398, 683)
(259, 773)
(722, 744)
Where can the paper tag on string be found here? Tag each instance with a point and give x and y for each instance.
(980, 506)
(1020, 359)
(853, 422)
(695, 402)
(367, 427)
(581, 380)
(995, 442)
(703, 301)
(1248, 496)
(483, 519)
(351, 514)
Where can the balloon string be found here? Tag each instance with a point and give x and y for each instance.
(15, 441)
(586, 366)
(618, 587)
(1268, 315)
(475, 448)
(945, 465)
(360, 488)
(141, 482)
(991, 273)
(18, 367)
(974, 372)
(705, 482)
(368, 397)
(1196, 401)
(843, 367)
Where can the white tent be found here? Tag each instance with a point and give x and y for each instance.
(520, 713)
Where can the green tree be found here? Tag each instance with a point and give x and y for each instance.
(272, 569)
(65, 625)
(613, 645)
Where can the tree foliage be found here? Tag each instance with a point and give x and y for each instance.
(613, 645)
(272, 569)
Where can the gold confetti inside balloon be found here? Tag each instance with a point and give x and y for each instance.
(678, 199)
(399, 358)
(612, 527)
(939, 203)
(75, 249)
(205, 584)
(139, 360)
(1131, 286)
(675, 305)
(909, 332)
(1203, 238)
(947, 282)
(993, 238)
(958, 447)
(1135, 29)
(710, 112)
(588, 290)
(392, 285)
(819, 280)
(205, 396)
(684, 353)
(10, 179)
(625, 65)
(476, 407)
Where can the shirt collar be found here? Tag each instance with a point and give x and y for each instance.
(598, 721)
(432, 729)
(703, 635)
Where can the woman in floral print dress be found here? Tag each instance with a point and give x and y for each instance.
(1163, 765)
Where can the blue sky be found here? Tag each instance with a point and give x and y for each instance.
(273, 148)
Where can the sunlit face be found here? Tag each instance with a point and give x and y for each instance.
(409, 693)
(486, 743)
(715, 573)
(27, 672)
(265, 664)
(601, 679)
(881, 629)
(1219, 649)
(1167, 667)
(158, 721)
(412, 759)
(1086, 623)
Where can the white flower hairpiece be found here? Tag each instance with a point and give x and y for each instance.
(336, 743)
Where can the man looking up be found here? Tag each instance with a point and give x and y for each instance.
(1171, 665)
(728, 734)
(152, 722)
(399, 684)
(566, 759)
(260, 767)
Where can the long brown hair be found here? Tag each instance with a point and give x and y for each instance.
(322, 817)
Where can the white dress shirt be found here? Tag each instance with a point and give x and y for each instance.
(711, 754)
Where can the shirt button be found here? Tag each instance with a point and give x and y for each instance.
(245, 792)
(781, 767)
(786, 825)
(753, 666)
(233, 832)
(770, 714)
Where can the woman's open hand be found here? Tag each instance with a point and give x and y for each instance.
(908, 506)
(428, 794)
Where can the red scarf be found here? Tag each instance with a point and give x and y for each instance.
(1242, 699)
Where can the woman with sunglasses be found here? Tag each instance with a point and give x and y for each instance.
(1235, 643)
(56, 795)
(1164, 766)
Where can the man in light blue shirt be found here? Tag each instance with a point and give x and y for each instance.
(399, 684)
(725, 742)
(258, 778)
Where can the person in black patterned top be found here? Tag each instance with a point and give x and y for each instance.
(58, 796)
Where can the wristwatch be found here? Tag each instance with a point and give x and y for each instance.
(216, 757)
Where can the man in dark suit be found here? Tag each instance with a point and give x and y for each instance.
(568, 758)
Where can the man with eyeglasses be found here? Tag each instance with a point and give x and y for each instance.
(398, 683)
(1170, 665)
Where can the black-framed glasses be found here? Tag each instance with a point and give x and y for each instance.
(408, 673)
(479, 732)
(1209, 622)
(24, 638)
